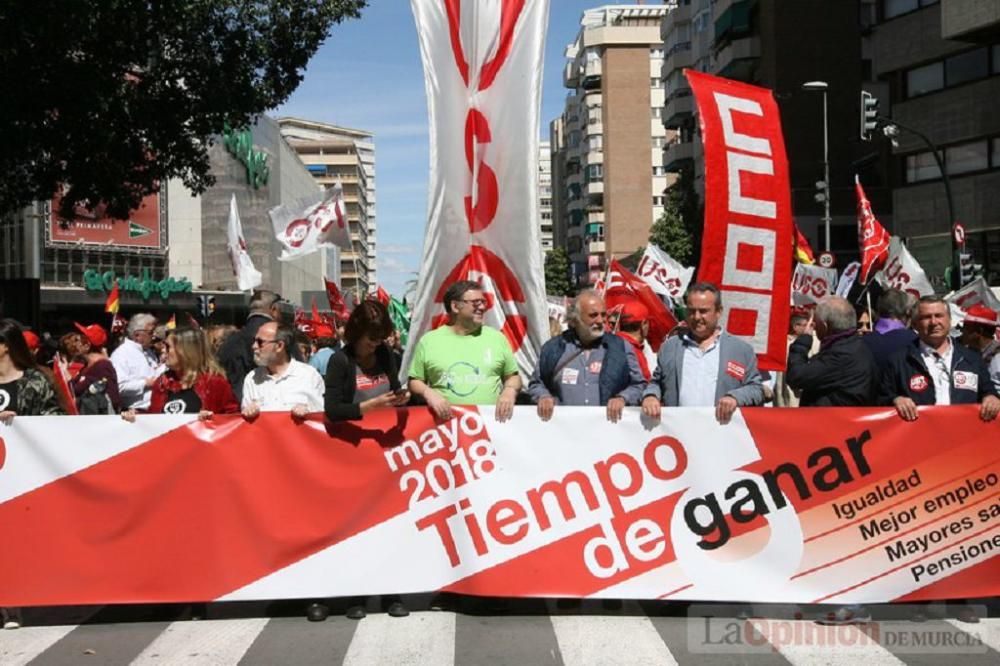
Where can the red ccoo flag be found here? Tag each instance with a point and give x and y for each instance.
(336, 300)
(873, 239)
(623, 286)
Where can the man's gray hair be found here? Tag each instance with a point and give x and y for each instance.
(837, 313)
(262, 300)
(705, 287)
(573, 310)
(139, 322)
(285, 334)
(895, 304)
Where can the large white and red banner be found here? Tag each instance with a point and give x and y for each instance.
(865, 508)
(483, 70)
(747, 241)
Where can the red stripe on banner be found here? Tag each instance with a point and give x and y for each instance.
(747, 241)
(181, 519)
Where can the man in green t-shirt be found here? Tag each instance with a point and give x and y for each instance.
(464, 362)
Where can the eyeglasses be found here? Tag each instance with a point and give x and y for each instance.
(475, 302)
(261, 343)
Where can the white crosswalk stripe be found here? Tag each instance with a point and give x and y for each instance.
(208, 642)
(422, 638)
(430, 638)
(610, 640)
(18, 647)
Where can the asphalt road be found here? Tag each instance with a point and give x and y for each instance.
(522, 632)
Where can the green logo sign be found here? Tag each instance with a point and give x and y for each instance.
(145, 285)
(240, 145)
(137, 230)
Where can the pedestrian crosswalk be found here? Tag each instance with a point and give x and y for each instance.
(546, 636)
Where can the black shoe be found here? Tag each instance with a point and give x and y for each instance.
(317, 612)
(968, 615)
(397, 609)
(356, 613)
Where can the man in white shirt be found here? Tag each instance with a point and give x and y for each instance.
(280, 383)
(136, 363)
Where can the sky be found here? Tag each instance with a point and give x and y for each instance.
(368, 75)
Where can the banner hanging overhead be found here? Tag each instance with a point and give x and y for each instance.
(483, 69)
(747, 241)
(768, 508)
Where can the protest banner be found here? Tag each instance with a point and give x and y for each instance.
(976, 292)
(664, 275)
(811, 282)
(747, 242)
(482, 190)
(847, 278)
(770, 508)
(312, 223)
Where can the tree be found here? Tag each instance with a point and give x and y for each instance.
(110, 99)
(678, 231)
(557, 273)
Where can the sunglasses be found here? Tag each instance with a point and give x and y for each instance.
(261, 343)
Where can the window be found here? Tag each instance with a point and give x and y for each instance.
(921, 167)
(893, 8)
(546, 216)
(659, 171)
(657, 111)
(967, 157)
(925, 79)
(656, 52)
(659, 141)
(655, 82)
(967, 66)
(659, 200)
(595, 171)
(546, 202)
(995, 153)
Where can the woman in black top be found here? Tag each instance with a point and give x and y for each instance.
(362, 376)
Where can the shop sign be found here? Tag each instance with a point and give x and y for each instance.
(240, 144)
(145, 285)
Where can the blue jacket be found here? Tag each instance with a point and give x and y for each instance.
(614, 377)
(906, 375)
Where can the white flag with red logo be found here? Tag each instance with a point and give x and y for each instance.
(308, 225)
(663, 274)
(810, 283)
(873, 239)
(247, 275)
(902, 271)
(483, 69)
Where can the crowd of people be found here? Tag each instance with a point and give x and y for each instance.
(908, 358)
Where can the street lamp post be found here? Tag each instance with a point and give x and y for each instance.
(821, 86)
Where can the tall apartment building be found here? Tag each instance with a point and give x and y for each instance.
(781, 45)
(545, 195)
(941, 64)
(607, 145)
(330, 153)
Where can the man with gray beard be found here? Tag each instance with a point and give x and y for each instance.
(585, 365)
(280, 383)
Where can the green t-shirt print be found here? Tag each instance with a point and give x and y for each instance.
(464, 369)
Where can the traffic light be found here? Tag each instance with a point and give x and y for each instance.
(968, 270)
(869, 115)
(821, 192)
(206, 306)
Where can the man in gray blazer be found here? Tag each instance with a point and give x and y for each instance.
(704, 366)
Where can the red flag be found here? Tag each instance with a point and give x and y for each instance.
(873, 239)
(382, 296)
(623, 286)
(62, 376)
(337, 304)
(315, 311)
(112, 304)
(803, 253)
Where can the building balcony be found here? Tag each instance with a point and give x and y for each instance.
(595, 247)
(591, 78)
(595, 187)
(571, 78)
(678, 155)
(595, 216)
(678, 16)
(738, 58)
(678, 57)
(679, 107)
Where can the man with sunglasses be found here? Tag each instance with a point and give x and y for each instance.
(465, 362)
(280, 383)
